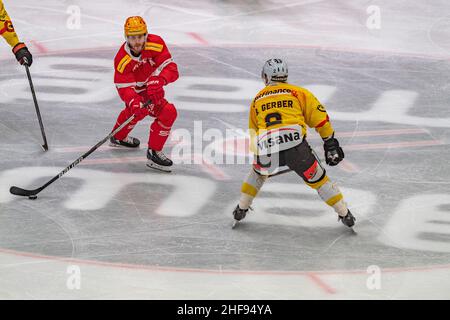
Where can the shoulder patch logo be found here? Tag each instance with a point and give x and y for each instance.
(321, 108)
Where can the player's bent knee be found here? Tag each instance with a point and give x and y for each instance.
(168, 115)
(315, 176)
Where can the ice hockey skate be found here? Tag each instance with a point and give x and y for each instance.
(238, 215)
(128, 142)
(158, 160)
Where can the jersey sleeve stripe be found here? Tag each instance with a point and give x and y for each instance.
(321, 124)
(123, 63)
(162, 66)
(125, 85)
(154, 46)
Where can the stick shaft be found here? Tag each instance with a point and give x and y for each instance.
(44, 137)
(23, 192)
(85, 155)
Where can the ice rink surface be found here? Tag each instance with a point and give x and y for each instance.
(112, 228)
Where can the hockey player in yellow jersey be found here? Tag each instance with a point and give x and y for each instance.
(7, 31)
(279, 115)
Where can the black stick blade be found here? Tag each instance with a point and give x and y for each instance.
(22, 192)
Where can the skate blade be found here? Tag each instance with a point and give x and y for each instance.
(118, 146)
(155, 166)
(235, 223)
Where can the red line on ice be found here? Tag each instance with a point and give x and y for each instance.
(348, 166)
(209, 168)
(372, 133)
(393, 145)
(39, 46)
(210, 271)
(197, 37)
(212, 169)
(319, 282)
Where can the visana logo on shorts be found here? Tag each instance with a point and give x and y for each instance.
(279, 139)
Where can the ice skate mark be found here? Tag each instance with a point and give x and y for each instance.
(84, 148)
(176, 9)
(207, 167)
(332, 243)
(342, 134)
(113, 160)
(226, 64)
(182, 201)
(64, 13)
(138, 212)
(430, 30)
(218, 19)
(230, 126)
(392, 107)
(405, 54)
(235, 45)
(408, 226)
(105, 148)
(59, 224)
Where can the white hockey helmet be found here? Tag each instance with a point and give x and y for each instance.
(274, 70)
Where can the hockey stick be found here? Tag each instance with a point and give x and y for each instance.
(289, 170)
(280, 172)
(45, 145)
(32, 194)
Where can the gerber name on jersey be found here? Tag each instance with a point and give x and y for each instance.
(277, 104)
(279, 139)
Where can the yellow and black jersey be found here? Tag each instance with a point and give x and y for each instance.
(283, 104)
(6, 27)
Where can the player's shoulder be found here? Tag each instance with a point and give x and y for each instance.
(122, 59)
(292, 87)
(154, 38)
(154, 43)
(298, 90)
(121, 53)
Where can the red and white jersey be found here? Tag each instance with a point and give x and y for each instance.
(132, 73)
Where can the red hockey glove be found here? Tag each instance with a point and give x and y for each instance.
(155, 89)
(137, 106)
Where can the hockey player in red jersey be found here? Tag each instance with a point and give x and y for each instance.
(143, 66)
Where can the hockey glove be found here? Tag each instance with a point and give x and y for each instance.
(137, 106)
(22, 54)
(333, 152)
(155, 89)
